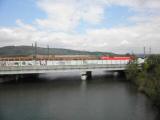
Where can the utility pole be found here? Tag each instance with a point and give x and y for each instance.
(35, 50)
(150, 50)
(48, 50)
(32, 54)
(132, 52)
(53, 55)
(144, 50)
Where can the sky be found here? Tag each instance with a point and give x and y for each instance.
(120, 26)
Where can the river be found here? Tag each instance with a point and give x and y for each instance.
(66, 97)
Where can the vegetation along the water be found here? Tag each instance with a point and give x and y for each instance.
(146, 77)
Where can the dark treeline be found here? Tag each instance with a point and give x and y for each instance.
(147, 77)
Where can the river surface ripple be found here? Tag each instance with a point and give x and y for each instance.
(69, 98)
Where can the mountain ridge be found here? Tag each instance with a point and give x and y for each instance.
(30, 50)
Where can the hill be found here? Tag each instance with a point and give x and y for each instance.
(29, 50)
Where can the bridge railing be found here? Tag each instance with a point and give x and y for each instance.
(44, 68)
(62, 67)
(58, 63)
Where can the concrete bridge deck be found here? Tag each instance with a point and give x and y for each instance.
(36, 67)
(6, 70)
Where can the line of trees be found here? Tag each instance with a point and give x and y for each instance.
(146, 77)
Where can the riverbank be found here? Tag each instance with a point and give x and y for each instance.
(147, 79)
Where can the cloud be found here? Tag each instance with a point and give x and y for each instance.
(138, 4)
(120, 39)
(66, 15)
(25, 26)
(124, 42)
(63, 16)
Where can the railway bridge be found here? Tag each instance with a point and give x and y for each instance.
(85, 67)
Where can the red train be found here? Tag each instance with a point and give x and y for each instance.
(66, 57)
(128, 58)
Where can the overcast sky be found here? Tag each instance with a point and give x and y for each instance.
(120, 26)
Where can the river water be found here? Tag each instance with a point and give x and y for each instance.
(68, 98)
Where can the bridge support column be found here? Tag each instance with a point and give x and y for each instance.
(121, 74)
(115, 74)
(17, 77)
(86, 75)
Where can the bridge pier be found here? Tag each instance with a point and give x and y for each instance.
(86, 75)
(19, 76)
(121, 74)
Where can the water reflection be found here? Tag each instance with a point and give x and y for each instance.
(69, 98)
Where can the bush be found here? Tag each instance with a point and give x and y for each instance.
(147, 78)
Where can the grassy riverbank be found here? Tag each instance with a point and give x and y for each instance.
(147, 79)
